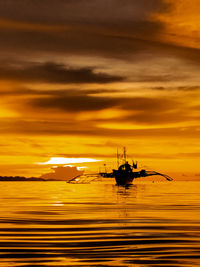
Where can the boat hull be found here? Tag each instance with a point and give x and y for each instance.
(123, 177)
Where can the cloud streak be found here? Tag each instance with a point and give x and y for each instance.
(79, 101)
(59, 11)
(50, 72)
(90, 27)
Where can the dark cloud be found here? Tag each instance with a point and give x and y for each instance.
(77, 101)
(19, 91)
(141, 77)
(93, 27)
(124, 43)
(141, 110)
(147, 103)
(85, 41)
(115, 29)
(90, 11)
(74, 101)
(54, 73)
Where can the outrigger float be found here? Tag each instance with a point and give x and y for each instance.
(125, 174)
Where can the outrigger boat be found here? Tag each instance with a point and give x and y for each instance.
(125, 174)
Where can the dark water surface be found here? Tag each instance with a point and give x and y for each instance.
(99, 224)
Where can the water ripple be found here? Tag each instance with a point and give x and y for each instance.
(99, 225)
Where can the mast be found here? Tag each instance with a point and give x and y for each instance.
(117, 158)
(125, 154)
(105, 168)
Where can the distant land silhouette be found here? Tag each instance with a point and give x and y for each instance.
(59, 174)
(19, 178)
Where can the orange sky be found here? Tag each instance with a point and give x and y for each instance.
(80, 78)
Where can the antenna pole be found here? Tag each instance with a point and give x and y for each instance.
(105, 168)
(117, 158)
(125, 154)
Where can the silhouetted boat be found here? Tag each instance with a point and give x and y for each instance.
(125, 173)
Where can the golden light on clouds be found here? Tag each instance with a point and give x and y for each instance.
(61, 160)
(80, 78)
(182, 23)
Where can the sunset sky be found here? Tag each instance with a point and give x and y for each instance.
(79, 78)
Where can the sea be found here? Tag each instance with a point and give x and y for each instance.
(100, 224)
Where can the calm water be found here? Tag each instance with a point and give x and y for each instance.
(99, 224)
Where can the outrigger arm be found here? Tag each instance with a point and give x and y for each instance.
(151, 173)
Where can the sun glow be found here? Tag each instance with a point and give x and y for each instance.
(61, 160)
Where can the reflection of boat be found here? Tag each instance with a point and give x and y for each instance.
(125, 173)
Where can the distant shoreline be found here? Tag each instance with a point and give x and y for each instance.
(21, 178)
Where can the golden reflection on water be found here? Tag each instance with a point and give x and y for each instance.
(99, 224)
